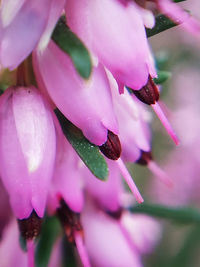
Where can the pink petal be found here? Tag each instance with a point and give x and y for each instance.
(134, 132)
(11, 253)
(56, 9)
(116, 34)
(79, 100)
(107, 193)
(13, 168)
(9, 10)
(143, 230)
(67, 181)
(105, 242)
(24, 32)
(27, 149)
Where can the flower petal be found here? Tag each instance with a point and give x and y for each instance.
(79, 100)
(24, 32)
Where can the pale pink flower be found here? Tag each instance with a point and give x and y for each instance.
(144, 231)
(106, 193)
(105, 242)
(23, 23)
(87, 104)
(10, 252)
(133, 119)
(27, 138)
(115, 33)
(67, 182)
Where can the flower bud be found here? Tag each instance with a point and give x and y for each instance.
(112, 147)
(149, 94)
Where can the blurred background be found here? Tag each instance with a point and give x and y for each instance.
(178, 52)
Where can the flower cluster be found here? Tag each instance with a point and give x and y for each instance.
(84, 72)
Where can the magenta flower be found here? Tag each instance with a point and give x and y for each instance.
(115, 33)
(26, 134)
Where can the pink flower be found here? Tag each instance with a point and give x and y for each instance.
(115, 33)
(105, 242)
(67, 182)
(134, 132)
(79, 100)
(27, 149)
(10, 252)
(106, 193)
(23, 23)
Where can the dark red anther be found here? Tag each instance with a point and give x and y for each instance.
(149, 94)
(112, 147)
(30, 227)
(115, 214)
(144, 158)
(69, 220)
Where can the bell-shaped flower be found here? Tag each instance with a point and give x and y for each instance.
(105, 243)
(134, 132)
(23, 23)
(106, 193)
(27, 149)
(144, 231)
(115, 33)
(67, 180)
(87, 104)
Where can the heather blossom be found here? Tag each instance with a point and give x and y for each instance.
(62, 132)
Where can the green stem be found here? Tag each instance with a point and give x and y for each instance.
(181, 215)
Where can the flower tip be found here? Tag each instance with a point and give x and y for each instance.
(129, 180)
(140, 199)
(156, 107)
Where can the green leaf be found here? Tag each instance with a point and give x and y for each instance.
(69, 258)
(88, 152)
(73, 46)
(162, 76)
(50, 230)
(181, 215)
(22, 242)
(163, 23)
